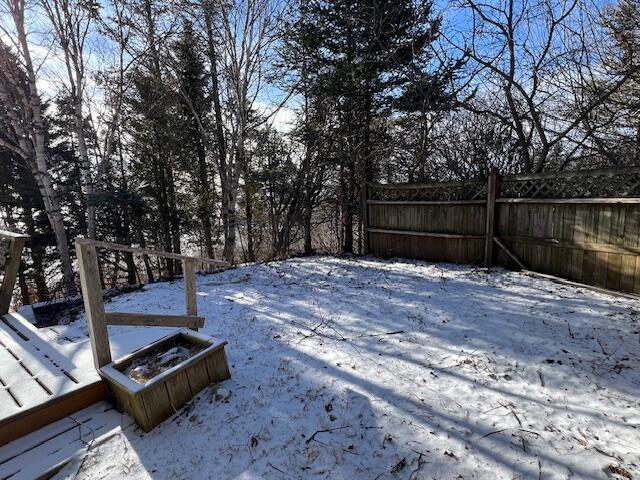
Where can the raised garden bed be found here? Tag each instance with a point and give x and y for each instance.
(152, 383)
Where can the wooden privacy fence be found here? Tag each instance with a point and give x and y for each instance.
(583, 226)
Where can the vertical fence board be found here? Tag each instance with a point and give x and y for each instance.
(629, 239)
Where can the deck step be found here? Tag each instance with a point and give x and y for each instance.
(38, 385)
(44, 452)
(29, 420)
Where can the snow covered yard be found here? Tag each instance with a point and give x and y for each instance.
(372, 369)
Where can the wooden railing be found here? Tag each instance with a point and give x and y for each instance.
(98, 319)
(11, 245)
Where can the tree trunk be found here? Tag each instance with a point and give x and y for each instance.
(227, 208)
(174, 219)
(39, 166)
(85, 169)
(205, 200)
(248, 211)
(37, 256)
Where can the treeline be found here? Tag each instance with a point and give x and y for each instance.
(245, 129)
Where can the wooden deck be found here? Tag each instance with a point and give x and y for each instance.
(37, 384)
(43, 453)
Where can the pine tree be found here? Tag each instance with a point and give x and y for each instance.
(192, 124)
(362, 54)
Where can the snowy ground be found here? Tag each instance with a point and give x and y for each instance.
(370, 369)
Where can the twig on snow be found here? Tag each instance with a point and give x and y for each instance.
(414, 474)
(269, 464)
(570, 332)
(510, 408)
(601, 346)
(607, 454)
(326, 430)
(377, 334)
(491, 433)
(539, 469)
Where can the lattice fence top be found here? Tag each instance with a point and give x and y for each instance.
(447, 192)
(611, 183)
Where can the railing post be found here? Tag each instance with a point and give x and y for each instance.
(93, 303)
(492, 191)
(365, 217)
(189, 272)
(16, 243)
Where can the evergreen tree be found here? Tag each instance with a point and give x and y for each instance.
(192, 125)
(363, 53)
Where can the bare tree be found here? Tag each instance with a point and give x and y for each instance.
(246, 30)
(523, 56)
(25, 129)
(72, 21)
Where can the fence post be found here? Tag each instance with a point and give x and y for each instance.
(492, 191)
(365, 216)
(93, 304)
(189, 273)
(11, 272)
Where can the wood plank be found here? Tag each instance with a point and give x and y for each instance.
(11, 452)
(618, 217)
(44, 414)
(537, 228)
(492, 192)
(218, 366)
(588, 267)
(509, 253)
(158, 406)
(594, 288)
(630, 239)
(19, 382)
(93, 303)
(55, 445)
(566, 235)
(603, 237)
(154, 320)
(627, 273)
(49, 377)
(198, 376)
(594, 247)
(426, 234)
(426, 202)
(146, 251)
(578, 237)
(577, 261)
(614, 272)
(8, 234)
(600, 270)
(178, 389)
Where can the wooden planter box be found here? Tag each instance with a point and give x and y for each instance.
(162, 395)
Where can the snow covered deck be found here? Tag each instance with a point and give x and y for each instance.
(38, 384)
(373, 369)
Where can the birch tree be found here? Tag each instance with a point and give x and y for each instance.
(24, 127)
(72, 21)
(246, 30)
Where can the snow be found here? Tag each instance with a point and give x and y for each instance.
(363, 368)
